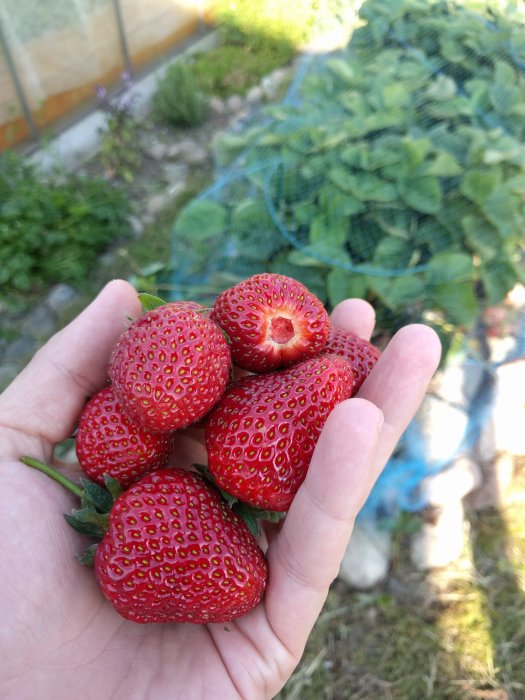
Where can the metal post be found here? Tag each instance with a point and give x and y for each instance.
(122, 36)
(18, 85)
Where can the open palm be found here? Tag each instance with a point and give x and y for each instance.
(58, 635)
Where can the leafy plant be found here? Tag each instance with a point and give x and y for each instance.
(398, 175)
(118, 150)
(53, 227)
(179, 99)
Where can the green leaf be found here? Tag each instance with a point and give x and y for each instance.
(406, 290)
(150, 301)
(330, 235)
(392, 253)
(87, 557)
(441, 89)
(450, 267)
(421, 193)
(502, 209)
(498, 277)
(84, 527)
(342, 284)
(457, 301)
(112, 486)
(99, 497)
(478, 184)
(443, 165)
(481, 236)
(342, 70)
(201, 220)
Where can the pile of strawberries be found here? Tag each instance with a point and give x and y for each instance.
(174, 545)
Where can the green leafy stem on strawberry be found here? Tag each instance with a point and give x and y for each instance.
(96, 502)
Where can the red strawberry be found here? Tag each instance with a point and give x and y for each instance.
(361, 354)
(170, 367)
(175, 552)
(272, 321)
(107, 441)
(261, 435)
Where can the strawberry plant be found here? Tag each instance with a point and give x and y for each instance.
(397, 174)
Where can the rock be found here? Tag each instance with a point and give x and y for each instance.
(21, 350)
(136, 225)
(40, 322)
(508, 410)
(234, 104)
(497, 477)
(190, 151)
(217, 106)
(8, 372)
(157, 150)
(438, 431)
(197, 156)
(61, 297)
(255, 95)
(453, 483)
(157, 203)
(367, 557)
(440, 542)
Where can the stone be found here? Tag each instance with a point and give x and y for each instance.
(255, 95)
(157, 150)
(217, 106)
(437, 431)
(508, 409)
(190, 151)
(157, 203)
(367, 557)
(234, 104)
(441, 541)
(20, 351)
(40, 322)
(455, 482)
(61, 297)
(8, 372)
(497, 478)
(136, 225)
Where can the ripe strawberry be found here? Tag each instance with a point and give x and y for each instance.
(272, 321)
(108, 441)
(175, 552)
(261, 435)
(170, 367)
(361, 354)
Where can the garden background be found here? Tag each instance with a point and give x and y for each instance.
(375, 151)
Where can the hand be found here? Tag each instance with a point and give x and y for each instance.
(60, 638)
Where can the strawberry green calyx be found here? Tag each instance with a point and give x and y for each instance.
(250, 514)
(92, 518)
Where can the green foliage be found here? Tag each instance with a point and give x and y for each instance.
(400, 175)
(232, 69)
(52, 228)
(179, 99)
(119, 138)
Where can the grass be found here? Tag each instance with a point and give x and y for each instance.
(453, 634)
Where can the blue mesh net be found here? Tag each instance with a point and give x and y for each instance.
(393, 170)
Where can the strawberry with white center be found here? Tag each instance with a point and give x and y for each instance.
(272, 321)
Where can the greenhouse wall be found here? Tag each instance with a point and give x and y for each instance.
(53, 53)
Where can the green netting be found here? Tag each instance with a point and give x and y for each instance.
(399, 160)
(394, 170)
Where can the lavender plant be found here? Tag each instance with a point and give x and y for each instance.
(119, 137)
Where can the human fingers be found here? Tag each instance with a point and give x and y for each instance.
(355, 315)
(48, 395)
(399, 380)
(305, 556)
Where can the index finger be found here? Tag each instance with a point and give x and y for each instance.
(48, 395)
